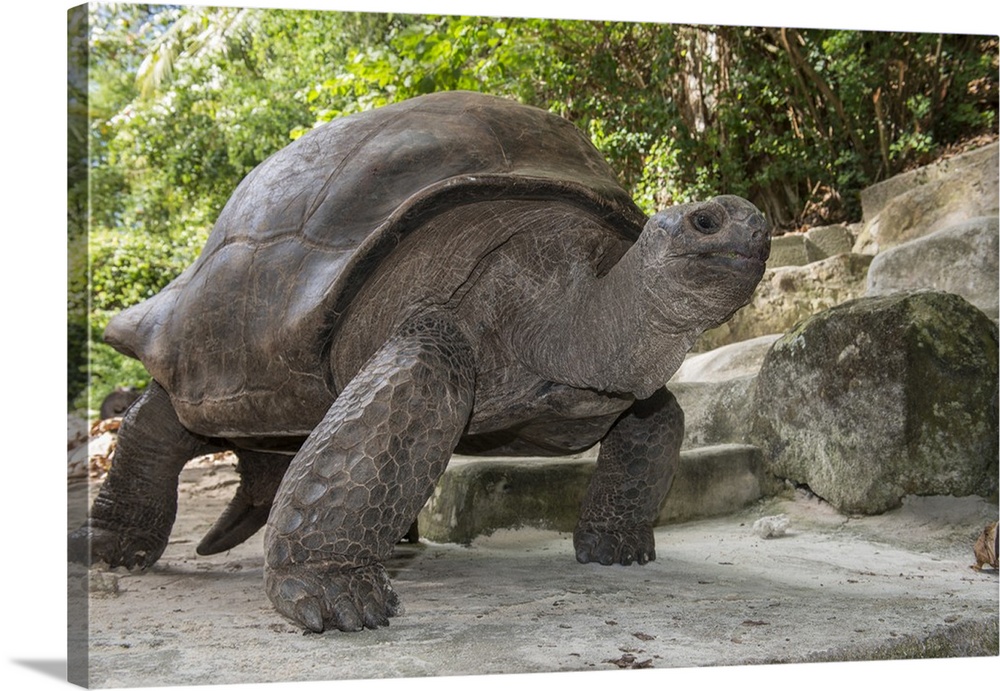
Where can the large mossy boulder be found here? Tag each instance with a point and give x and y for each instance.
(880, 398)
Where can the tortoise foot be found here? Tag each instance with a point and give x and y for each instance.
(622, 546)
(318, 597)
(90, 544)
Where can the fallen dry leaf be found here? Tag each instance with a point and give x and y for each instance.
(986, 548)
(628, 661)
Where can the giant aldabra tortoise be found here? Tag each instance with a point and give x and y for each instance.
(453, 272)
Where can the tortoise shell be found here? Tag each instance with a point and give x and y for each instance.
(241, 339)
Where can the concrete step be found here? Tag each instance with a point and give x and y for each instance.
(477, 496)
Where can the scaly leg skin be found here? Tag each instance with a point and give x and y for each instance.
(260, 474)
(131, 518)
(360, 479)
(634, 470)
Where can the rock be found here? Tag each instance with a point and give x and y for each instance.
(78, 466)
(715, 481)
(829, 241)
(986, 548)
(926, 201)
(771, 526)
(876, 197)
(799, 249)
(715, 412)
(789, 250)
(480, 496)
(880, 398)
(726, 362)
(787, 295)
(961, 259)
(118, 401)
(77, 451)
(104, 583)
(77, 432)
(714, 390)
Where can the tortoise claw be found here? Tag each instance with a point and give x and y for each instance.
(238, 523)
(626, 546)
(319, 598)
(309, 614)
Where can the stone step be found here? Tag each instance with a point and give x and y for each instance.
(477, 496)
(960, 259)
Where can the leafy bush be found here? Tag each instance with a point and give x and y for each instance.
(126, 268)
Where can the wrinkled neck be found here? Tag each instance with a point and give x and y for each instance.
(611, 334)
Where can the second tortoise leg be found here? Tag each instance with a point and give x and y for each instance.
(635, 469)
(260, 475)
(132, 516)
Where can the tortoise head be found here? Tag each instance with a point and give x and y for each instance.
(702, 261)
(628, 331)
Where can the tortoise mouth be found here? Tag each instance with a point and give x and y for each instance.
(732, 258)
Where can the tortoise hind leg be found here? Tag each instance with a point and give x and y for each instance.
(131, 517)
(247, 512)
(260, 474)
(363, 475)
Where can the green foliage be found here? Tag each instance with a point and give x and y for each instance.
(185, 101)
(414, 55)
(126, 268)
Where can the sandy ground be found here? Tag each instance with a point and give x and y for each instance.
(892, 586)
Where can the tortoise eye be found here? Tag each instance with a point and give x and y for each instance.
(705, 222)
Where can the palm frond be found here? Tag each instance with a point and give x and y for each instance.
(198, 32)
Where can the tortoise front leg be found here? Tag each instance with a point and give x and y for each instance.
(131, 517)
(362, 476)
(634, 471)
